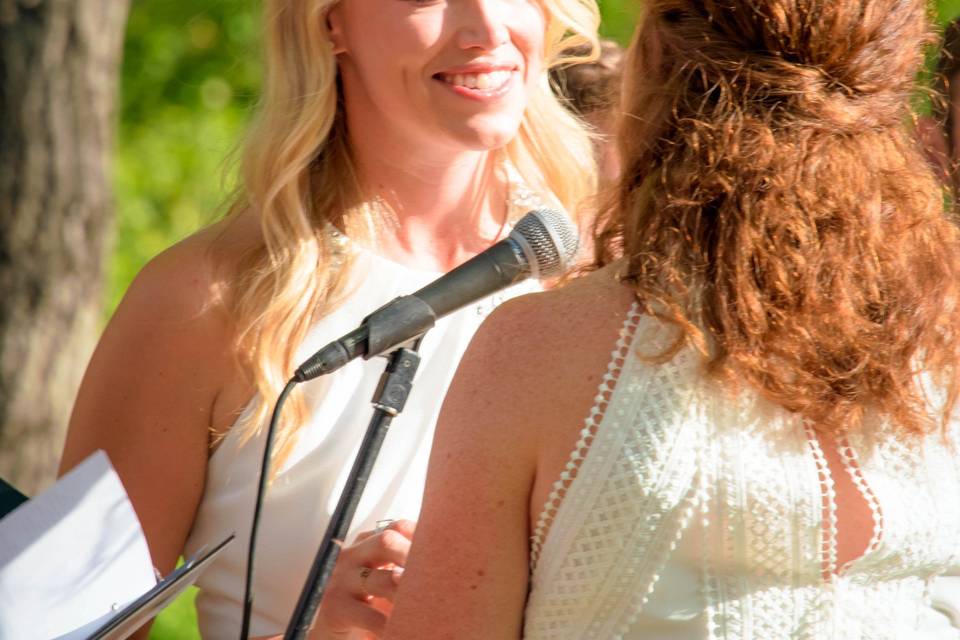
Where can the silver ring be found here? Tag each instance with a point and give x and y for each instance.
(364, 574)
(383, 525)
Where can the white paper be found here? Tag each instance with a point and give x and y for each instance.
(71, 556)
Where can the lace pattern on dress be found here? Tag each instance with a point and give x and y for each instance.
(665, 445)
(623, 512)
(828, 499)
(592, 423)
(909, 479)
(770, 568)
(762, 522)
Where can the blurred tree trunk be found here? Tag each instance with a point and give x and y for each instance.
(59, 65)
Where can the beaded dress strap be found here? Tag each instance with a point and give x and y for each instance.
(587, 433)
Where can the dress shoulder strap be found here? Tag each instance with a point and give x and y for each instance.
(626, 495)
(587, 433)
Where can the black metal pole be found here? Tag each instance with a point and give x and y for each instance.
(388, 401)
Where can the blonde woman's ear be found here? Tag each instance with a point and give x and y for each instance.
(335, 29)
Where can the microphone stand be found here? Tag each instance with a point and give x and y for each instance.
(388, 401)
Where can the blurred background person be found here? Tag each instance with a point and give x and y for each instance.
(939, 131)
(592, 91)
(770, 450)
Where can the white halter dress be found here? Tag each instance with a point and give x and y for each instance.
(306, 489)
(688, 514)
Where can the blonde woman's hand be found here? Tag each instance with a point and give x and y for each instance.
(358, 598)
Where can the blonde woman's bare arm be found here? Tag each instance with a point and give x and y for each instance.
(151, 392)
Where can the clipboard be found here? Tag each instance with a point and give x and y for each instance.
(147, 606)
(10, 498)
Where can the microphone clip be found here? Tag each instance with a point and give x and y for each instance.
(383, 330)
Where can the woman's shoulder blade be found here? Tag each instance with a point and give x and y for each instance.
(542, 354)
(550, 323)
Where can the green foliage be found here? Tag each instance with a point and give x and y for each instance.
(618, 19)
(179, 620)
(947, 9)
(190, 76)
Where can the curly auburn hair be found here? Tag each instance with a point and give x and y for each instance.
(775, 207)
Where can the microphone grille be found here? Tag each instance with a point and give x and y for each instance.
(549, 241)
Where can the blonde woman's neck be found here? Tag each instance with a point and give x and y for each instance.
(436, 207)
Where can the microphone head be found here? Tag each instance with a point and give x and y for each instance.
(548, 240)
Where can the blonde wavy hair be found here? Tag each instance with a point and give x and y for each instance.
(298, 176)
(774, 205)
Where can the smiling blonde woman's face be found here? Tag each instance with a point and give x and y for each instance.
(451, 72)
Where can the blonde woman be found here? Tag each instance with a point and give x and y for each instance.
(395, 139)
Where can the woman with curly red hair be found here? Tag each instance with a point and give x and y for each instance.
(770, 451)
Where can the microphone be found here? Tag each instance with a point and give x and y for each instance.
(542, 245)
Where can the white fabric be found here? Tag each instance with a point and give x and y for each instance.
(689, 513)
(306, 490)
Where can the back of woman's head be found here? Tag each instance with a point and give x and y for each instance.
(773, 197)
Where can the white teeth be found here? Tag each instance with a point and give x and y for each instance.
(480, 81)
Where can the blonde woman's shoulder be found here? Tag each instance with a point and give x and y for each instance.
(193, 276)
(183, 295)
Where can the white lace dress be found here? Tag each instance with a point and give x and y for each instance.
(687, 514)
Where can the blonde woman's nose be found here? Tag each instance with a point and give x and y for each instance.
(483, 24)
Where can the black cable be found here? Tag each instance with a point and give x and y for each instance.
(261, 491)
